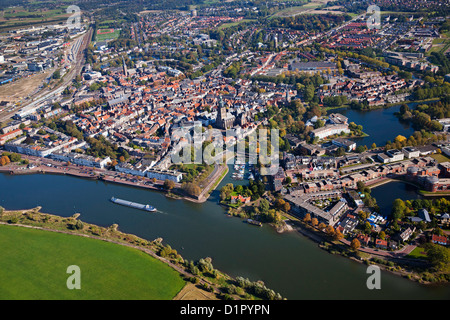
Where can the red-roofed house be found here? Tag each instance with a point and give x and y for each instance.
(379, 243)
(439, 240)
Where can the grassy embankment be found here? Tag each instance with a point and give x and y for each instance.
(34, 266)
(114, 265)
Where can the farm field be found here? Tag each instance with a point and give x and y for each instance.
(20, 17)
(313, 7)
(34, 266)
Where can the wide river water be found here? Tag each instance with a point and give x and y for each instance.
(289, 263)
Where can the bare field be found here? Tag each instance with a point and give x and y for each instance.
(22, 88)
(325, 12)
(191, 292)
(313, 7)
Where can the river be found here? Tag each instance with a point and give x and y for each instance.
(289, 263)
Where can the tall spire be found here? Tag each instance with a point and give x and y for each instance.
(125, 71)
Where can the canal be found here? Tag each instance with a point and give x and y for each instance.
(288, 263)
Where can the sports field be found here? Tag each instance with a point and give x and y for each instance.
(33, 265)
(107, 34)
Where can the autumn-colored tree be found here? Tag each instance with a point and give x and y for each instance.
(192, 189)
(307, 218)
(355, 244)
(4, 160)
(314, 222)
(330, 230)
(321, 226)
(338, 235)
(169, 184)
(122, 159)
(400, 138)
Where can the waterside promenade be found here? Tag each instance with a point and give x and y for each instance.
(47, 166)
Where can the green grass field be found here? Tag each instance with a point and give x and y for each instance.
(418, 253)
(439, 157)
(16, 17)
(33, 266)
(107, 36)
(232, 24)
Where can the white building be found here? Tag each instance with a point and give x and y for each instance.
(37, 150)
(445, 124)
(135, 170)
(348, 145)
(81, 159)
(395, 155)
(330, 130)
(410, 152)
(384, 158)
(142, 170)
(165, 175)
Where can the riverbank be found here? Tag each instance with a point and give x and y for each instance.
(382, 106)
(396, 262)
(115, 177)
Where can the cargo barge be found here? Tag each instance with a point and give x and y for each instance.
(135, 205)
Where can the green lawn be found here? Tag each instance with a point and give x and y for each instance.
(418, 253)
(33, 265)
(439, 157)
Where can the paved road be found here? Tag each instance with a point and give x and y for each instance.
(212, 179)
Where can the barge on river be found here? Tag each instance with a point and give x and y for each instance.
(135, 205)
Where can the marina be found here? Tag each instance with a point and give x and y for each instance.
(239, 170)
(135, 205)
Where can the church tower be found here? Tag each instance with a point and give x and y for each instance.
(125, 70)
(224, 119)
